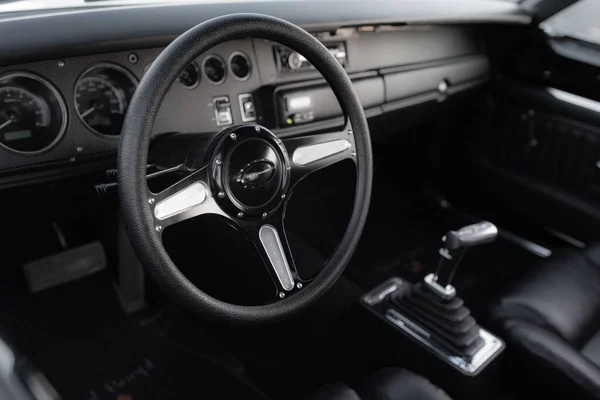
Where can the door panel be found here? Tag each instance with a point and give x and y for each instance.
(535, 147)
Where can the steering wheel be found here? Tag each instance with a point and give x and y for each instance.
(248, 178)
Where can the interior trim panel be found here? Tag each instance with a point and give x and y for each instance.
(84, 31)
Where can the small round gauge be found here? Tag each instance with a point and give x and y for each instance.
(214, 69)
(190, 77)
(239, 65)
(33, 116)
(102, 95)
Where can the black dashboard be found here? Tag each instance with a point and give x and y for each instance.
(68, 109)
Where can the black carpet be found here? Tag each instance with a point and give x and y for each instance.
(78, 338)
(124, 361)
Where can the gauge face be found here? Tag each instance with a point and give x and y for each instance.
(214, 69)
(240, 66)
(190, 77)
(32, 116)
(102, 96)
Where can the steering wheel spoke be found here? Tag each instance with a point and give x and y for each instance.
(314, 152)
(270, 240)
(185, 199)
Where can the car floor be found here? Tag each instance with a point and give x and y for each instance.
(87, 348)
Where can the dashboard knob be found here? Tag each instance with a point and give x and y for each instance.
(295, 61)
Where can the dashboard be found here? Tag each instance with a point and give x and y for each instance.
(69, 109)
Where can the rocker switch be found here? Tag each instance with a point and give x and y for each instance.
(222, 108)
(247, 107)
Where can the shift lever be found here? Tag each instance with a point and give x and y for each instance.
(457, 243)
(471, 235)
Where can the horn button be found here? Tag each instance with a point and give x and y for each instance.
(249, 171)
(254, 173)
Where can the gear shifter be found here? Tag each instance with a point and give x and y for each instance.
(457, 243)
(434, 305)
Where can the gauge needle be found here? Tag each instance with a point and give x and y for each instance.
(6, 123)
(88, 112)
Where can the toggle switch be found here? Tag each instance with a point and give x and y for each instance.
(222, 108)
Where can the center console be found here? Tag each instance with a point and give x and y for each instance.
(432, 329)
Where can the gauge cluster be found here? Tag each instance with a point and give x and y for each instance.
(70, 109)
(102, 95)
(33, 116)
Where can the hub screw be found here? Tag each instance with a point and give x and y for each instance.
(257, 128)
(299, 285)
(281, 295)
(240, 215)
(219, 162)
(233, 136)
(133, 58)
(283, 196)
(264, 215)
(221, 195)
(158, 228)
(151, 200)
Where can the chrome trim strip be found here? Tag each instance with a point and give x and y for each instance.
(574, 99)
(313, 152)
(181, 201)
(566, 238)
(269, 237)
(166, 171)
(492, 345)
(378, 294)
(398, 318)
(447, 292)
(526, 244)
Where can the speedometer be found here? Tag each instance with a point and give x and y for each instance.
(32, 114)
(102, 95)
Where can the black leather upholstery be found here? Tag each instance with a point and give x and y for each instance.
(334, 391)
(551, 320)
(387, 384)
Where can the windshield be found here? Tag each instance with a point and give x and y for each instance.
(580, 21)
(32, 5)
(7, 6)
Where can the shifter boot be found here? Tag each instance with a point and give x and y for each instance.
(448, 321)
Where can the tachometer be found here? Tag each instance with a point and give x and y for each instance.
(32, 113)
(102, 95)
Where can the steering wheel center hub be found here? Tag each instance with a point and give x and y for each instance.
(249, 171)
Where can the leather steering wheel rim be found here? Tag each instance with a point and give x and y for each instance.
(133, 155)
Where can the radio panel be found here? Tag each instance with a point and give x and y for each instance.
(290, 61)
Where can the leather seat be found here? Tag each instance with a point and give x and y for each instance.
(551, 321)
(387, 384)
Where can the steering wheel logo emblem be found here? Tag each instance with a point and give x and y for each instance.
(256, 174)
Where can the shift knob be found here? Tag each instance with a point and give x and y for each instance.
(471, 235)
